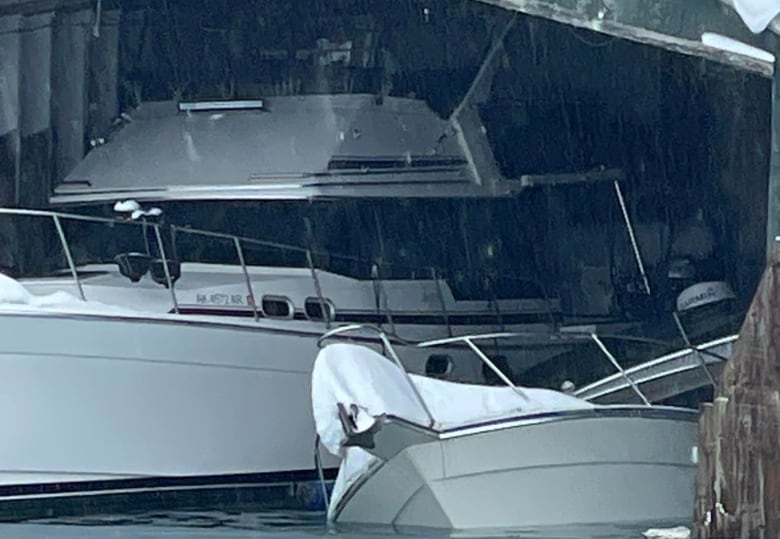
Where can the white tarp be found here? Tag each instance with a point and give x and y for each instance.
(15, 297)
(353, 374)
(757, 14)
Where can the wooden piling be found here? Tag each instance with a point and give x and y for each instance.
(738, 476)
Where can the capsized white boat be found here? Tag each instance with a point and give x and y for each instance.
(424, 452)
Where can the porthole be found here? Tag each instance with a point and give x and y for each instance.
(313, 309)
(438, 366)
(277, 307)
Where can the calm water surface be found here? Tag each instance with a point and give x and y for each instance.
(270, 525)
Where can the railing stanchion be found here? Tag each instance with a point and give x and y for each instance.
(240, 252)
(614, 362)
(696, 353)
(68, 256)
(165, 267)
(318, 289)
(439, 293)
(380, 294)
(397, 360)
(477, 350)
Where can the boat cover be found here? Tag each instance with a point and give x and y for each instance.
(352, 374)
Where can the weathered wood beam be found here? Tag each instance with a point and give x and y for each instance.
(773, 214)
(33, 7)
(675, 26)
(738, 479)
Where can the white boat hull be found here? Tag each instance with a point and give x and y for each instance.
(599, 466)
(101, 404)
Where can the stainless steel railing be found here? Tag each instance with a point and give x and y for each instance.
(471, 342)
(240, 243)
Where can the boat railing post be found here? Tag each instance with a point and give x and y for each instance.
(693, 349)
(318, 289)
(485, 359)
(435, 276)
(68, 255)
(174, 246)
(397, 360)
(166, 269)
(146, 239)
(620, 369)
(320, 472)
(496, 306)
(386, 304)
(240, 253)
(377, 293)
(631, 236)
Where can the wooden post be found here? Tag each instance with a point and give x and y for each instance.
(773, 189)
(738, 477)
(704, 497)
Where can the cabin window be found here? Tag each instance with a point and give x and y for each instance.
(313, 308)
(277, 307)
(438, 366)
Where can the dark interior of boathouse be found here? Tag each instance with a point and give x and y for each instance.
(690, 128)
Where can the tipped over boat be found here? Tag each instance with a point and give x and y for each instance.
(423, 452)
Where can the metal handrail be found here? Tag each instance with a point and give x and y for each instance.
(166, 269)
(442, 303)
(186, 229)
(68, 255)
(238, 241)
(349, 328)
(470, 341)
(637, 370)
(380, 296)
(698, 350)
(318, 289)
(702, 363)
(564, 335)
(240, 253)
(620, 368)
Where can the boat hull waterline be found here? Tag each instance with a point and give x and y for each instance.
(621, 464)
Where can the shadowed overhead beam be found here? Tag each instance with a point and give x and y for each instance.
(660, 23)
(32, 7)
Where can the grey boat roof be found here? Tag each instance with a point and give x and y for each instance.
(291, 147)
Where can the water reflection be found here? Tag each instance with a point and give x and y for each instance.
(282, 525)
